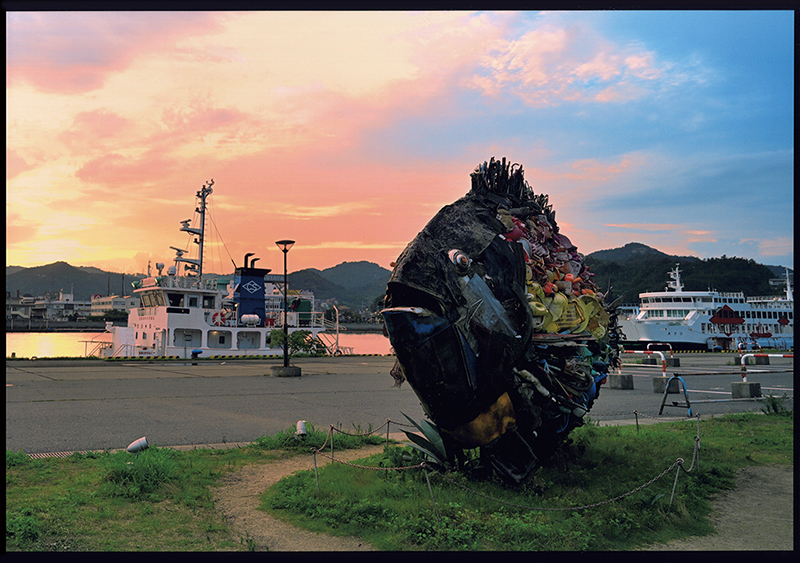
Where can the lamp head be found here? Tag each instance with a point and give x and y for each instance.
(285, 245)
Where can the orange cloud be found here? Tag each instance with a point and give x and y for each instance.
(777, 247)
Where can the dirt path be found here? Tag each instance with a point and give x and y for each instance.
(238, 499)
(757, 515)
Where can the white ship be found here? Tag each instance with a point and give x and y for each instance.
(184, 315)
(709, 319)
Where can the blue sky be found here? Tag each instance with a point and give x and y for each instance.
(348, 131)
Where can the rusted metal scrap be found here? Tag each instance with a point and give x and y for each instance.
(498, 326)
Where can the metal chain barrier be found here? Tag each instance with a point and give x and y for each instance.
(678, 462)
(425, 467)
(332, 428)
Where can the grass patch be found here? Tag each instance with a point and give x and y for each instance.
(394, 509)
(162, 500)
(156, 500)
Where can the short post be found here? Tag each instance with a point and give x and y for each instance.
(316, 475)
(435, 509)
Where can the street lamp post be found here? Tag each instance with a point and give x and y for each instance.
(285, 246)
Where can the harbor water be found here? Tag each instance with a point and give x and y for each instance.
(79, 344)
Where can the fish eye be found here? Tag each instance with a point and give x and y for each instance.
(460, 260)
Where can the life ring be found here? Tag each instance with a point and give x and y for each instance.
(218, 318)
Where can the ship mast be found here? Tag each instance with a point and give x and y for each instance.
(676, 279)
(789, 296)
(196, 265)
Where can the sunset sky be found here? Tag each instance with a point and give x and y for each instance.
(348, 131)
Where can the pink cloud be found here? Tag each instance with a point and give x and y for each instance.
(73, 52)
(18, 230)
(91, 128)
(595, 170)
(776, 247)
(15, 164)
(552, 64)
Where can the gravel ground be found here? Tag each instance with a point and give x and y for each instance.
(757, 515)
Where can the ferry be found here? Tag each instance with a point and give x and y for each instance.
(184, 315)
(708, 320)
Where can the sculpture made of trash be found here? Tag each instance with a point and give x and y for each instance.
(498, 325)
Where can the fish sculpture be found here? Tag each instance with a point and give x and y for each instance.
(498, 326)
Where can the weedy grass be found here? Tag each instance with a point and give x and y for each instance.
(394, 509)
(162, 500)
(159, 499)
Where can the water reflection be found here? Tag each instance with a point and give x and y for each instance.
(78, 344)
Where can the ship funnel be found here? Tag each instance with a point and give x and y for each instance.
(253, 262)
(246, 256)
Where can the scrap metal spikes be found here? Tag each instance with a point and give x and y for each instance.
(501, 177)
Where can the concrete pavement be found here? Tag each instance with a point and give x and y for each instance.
(61, 406)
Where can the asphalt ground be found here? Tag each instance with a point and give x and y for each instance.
(66, 406)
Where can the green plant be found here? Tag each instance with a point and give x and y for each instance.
(141, 475)
(432, 446)
(315, 439)
(299, 341)
(23, 528)
(775, 405)
(16, 459)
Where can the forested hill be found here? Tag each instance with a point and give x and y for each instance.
(630, 270)
(637, 268)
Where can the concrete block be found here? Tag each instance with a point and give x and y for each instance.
(745, 390)
(673, 362)
(651, 361)
(620, 381)
(660, 382)
(761, 361)
(291, 371)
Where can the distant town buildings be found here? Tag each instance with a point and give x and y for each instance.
(63, 306)
(103, 305)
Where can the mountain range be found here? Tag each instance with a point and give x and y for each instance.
(621, 272)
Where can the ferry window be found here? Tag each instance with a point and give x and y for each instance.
(193, 302)
(146, 300)
(208, 302)
(222, 340)
(175, 299)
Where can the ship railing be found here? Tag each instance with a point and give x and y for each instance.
(122, 350)
(303, 320)
(331, 343)
(731, 294)
(96, 352)
(182, 282)
(766, 298)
